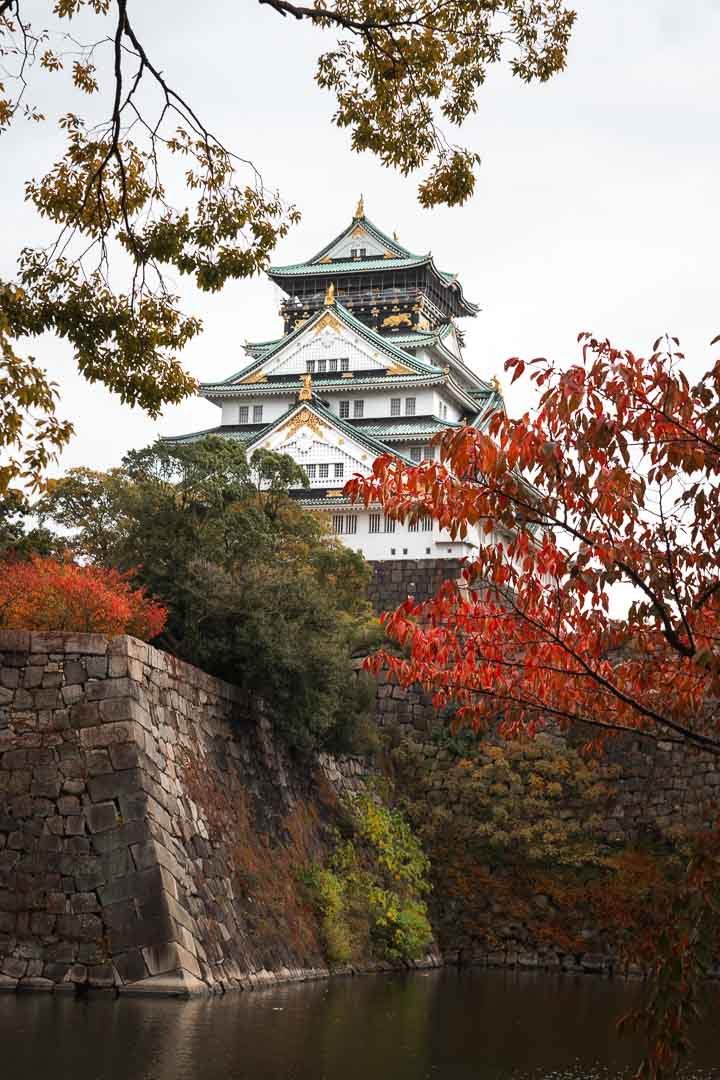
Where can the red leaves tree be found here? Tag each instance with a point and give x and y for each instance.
(47, 594)
(609, 490)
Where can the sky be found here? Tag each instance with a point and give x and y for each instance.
(597, 204)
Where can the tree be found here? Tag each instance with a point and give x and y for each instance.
(609, 491)
(17, 538)
(398, 71)
(612, 482)
(257, 591)
(50, 594)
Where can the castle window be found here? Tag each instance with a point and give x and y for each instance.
(310, 367)
(339, 469)
(416, 453)
(257, 414)
(322, 366)
(344, 524)
(244, 414)
(389, 525)
(323, 471)
(358, 407)
(414, 526)
(395, 406)
(345, 363)
(311, 470)
(374, 523)
(409, 406)
(344, 408)
(332, 365)
(426, 524)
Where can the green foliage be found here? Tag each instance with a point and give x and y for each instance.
(521, 803)
(18, 538)
(329, 894)
(257, 591)
(370, 894)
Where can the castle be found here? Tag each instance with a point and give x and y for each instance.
(370, 363)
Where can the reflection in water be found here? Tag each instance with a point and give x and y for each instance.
(440, 1026)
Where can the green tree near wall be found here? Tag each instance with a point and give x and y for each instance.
(258, 592)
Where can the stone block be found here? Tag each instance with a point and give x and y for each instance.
(45, 699)
(104, 689)
(84, 903)
(98, 761)
(141, 884)
(133, 832)
(75, 673)
(96, 667)
(141, 933)
(93, 738)
(101, 816)
(111, 785)
(69, 805)
(130, 966)
(14, 641)
(101, 976)
(12, 966)
(10, 677)
(124, 755)
(35, 982)
(84, 714)
(72, 694)
(73, 787)
(32, 678)
(77, 974)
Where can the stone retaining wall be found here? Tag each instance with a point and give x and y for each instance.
(394, 579)
(151, 829)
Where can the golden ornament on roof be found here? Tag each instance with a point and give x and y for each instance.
(306, 392)
(330, 295)
(495, 383)
(360, 208)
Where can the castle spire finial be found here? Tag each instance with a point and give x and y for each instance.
(306, 391)
(330, 295)
(360, 209)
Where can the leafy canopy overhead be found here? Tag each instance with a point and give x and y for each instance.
(400, 73)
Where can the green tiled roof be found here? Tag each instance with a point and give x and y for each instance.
(347, 266)
(366, 440)
(405, 427)
(242, 433)
(349, 319)
(376, 233)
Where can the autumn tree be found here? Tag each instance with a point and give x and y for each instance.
(592, 604)
(55, 594)
(400, 72)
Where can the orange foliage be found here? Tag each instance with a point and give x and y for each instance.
(613, 481)
(47, 594)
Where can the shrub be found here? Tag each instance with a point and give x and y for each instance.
(49, 594)
(370, 894)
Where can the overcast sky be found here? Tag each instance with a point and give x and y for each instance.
(597, 205)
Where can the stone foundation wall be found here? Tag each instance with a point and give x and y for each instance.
(151, 829)
(394, 579)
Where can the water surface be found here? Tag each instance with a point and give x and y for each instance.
(447, 1025)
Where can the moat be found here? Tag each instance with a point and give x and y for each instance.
(447, 1025)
